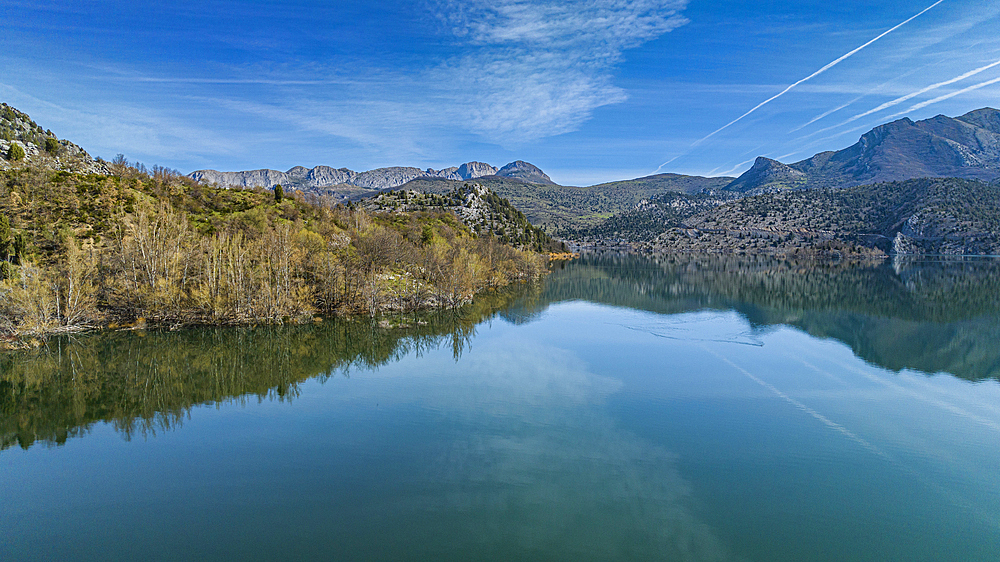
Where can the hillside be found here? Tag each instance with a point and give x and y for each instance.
(963, 147)
(479, 208)
(920, 216)
(650, 217)
(563, 210)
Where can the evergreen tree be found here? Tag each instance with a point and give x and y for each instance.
(15, 153)
(279, 193)
(6, 238)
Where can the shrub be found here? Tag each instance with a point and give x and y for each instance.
(15, 153)
(52, 145)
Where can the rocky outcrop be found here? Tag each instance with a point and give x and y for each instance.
(472, 170)
(17, 128)
(324, 176)
(249, 178)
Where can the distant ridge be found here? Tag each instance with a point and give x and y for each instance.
(326, 177)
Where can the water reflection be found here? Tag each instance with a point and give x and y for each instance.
(521, 455)
(928, 317)
(940, 316)
(144, 382)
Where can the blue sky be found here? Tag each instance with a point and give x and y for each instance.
(589, 90)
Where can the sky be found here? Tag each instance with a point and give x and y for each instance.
(588, 90)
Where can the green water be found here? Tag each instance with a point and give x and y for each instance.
(625, 408)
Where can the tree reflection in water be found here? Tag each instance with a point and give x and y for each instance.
(941, 316)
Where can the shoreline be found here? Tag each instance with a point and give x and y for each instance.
(23, 341)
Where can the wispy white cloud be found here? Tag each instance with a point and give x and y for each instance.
(540, 68)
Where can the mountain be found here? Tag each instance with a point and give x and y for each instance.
(963, 147)
(326, 178)
(21, 139)
(767, 173)
(662, 183)
(521, 170)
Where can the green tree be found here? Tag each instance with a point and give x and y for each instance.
(15, 153)
(279, 193)
(52, 145)
(10, 246)
(6, 238)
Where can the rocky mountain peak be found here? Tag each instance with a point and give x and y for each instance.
(768, 174)
(472, 170)
(524, 171)
(962, 147)
(986, 118)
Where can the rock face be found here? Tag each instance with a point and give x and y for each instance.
(325, 177)
(472, 170)
(524, 171)
(962, 147)
(768, 174)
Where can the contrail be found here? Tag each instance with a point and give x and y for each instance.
(815, 74)
(818, 117)
(910, 96)
(924, 104)
(734, 169)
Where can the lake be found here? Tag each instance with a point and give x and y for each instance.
(625, 408)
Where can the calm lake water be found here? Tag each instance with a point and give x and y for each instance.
(625, 408)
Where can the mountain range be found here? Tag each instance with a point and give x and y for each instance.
(967, 147)
(324, 178)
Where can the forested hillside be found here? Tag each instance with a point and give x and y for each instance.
(921, 216)
(87, 249)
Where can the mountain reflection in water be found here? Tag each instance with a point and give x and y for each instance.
(927, 316)
(924, 316)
